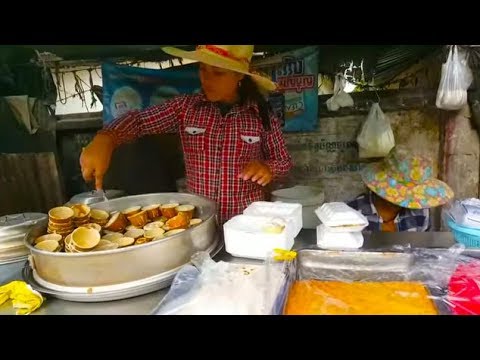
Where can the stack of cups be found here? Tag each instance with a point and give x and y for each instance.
(60, 221)
(99, 217)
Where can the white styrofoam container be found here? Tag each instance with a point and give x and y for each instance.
(331, 240)
(244, 237)
(340, 217)
(309, 197)
(290, 212)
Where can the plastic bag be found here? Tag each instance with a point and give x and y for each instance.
(376, 138)
(400, 281)
(455, 80)
(464, 289)
(221, 288)
(340, 98)
(464, 212)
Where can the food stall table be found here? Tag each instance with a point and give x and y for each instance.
(146, 304)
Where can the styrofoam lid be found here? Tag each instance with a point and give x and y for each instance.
(270, 208)
(338, 214)
(255, 224)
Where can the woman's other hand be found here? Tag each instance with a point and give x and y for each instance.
(258, 172)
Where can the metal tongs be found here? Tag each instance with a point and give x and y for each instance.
(96, 196)
(102, 194)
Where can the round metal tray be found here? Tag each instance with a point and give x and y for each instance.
(13, 254)
(12, 231)
(106, 293)
(13, 260)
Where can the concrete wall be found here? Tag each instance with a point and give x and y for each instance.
(329, 157)
(461, 154)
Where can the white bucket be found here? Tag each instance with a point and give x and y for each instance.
(310, 197)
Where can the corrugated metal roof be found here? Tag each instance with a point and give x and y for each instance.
(383, 61)
(398, 59)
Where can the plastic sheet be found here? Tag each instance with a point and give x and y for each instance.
(219, 288)
(465, 212)
(396, 281)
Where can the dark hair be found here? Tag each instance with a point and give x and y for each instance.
(248, 90)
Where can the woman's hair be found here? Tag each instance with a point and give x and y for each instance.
(248, 90)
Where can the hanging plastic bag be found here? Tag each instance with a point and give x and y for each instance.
(455, 81)
(340, 98)
(376, 137)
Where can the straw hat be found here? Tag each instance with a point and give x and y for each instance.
(406, 181)
(231, 57)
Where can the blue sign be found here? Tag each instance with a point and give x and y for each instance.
(296, 73)
(127, 88)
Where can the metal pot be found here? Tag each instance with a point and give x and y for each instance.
(131, 263)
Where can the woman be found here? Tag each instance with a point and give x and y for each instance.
(402, 190)
(233, 145)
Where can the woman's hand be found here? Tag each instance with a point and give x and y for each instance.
(95, 159)
(258, 172)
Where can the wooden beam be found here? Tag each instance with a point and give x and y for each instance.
(390, 100)
(85, 121)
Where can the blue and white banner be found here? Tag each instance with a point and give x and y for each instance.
(296, 73)
(127, 88)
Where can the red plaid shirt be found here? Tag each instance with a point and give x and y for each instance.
(215, 148)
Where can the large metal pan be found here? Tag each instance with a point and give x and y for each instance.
(132, 263)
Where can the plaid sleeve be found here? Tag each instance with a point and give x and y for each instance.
(427, 224)
(354, 204)
(415, 220)
(361, 203)
(158, 119)
(275, 150)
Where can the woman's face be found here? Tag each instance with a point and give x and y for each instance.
(219, 85)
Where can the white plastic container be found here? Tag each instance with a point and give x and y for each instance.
(339, 217)
(309, 197)
(331, 240)
(245, 237)
(291, 213)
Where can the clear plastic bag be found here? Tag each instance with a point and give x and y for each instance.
(455, 80)
(464, 212)
(221, 288)
(400, 281)
(376, 138)
(340, 98)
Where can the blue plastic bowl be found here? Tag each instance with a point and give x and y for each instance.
(470, 237)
